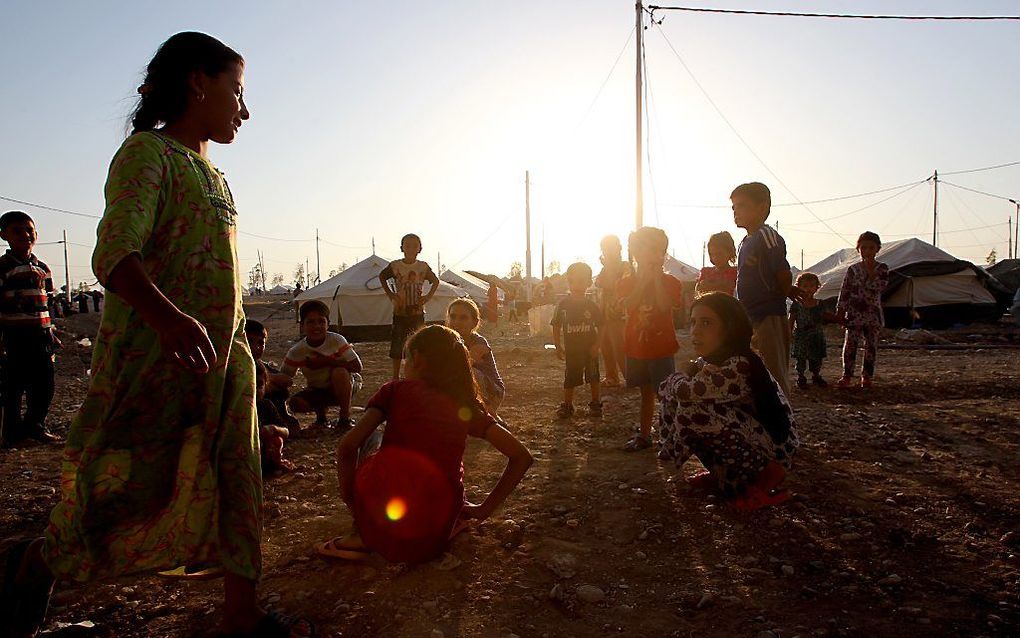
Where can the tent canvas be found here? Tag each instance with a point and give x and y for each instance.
(1007, 272)
(940, 288)
(355, 296)
(680, 270)
(281, 290)
(477, 289)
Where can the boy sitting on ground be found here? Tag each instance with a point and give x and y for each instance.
(330, 365)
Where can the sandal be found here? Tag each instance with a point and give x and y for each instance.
(335, 548)
(637, 442)
(276, 625)
(193, 572)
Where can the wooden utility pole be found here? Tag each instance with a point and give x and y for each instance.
(935, 214)
(318, 267)
(527, 235)
(67, 269)
(639, 212)
(1009, 235)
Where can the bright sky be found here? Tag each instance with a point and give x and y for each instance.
(371, 120)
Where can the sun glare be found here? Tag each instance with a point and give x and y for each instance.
(396, 508)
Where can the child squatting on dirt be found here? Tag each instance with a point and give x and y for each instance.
(272, 429)
(161, 467)
(405, 487)
(463, 316)
(728, 410)
(576, 324)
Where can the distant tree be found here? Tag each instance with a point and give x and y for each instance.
(299, 274)
(277, 279)
(553, 268)
(255, 277)
(339, 269)
(991, 258)
(515, 270)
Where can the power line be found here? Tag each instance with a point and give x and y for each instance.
(851, 16)
(606, 81)
(986, 168)
(482, 243)
(863, 208)
(49, 208)
(739, 136)
(974, 190)
(812, 201)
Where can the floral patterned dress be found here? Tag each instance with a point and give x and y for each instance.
(711, 415)
(162, 465)
(860, 298)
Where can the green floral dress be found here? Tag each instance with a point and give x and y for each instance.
(161, 467)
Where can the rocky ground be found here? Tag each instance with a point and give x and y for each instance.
(904, 521)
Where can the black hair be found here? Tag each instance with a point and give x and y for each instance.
(579, 268)
(255, 327)
(13, 217)
(869, 236)
(164, 92)
(313, 306)
(410, 236)
(737, 332)
(758, 193)
(648, 236)
(808, 276)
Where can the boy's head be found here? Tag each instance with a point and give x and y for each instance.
(18, 230)
(647, 245)
(751, 204)
(611, 247)
(314, 317)
(809, 283)
(257, 335)
(578, 278)
(721, 249)
(410, 245)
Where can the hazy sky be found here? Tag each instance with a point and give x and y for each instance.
(370, 120)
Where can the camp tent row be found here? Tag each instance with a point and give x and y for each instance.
(355, 297)
(925, 281)
(476, 288)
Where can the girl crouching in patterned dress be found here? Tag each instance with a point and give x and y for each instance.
(727, 410)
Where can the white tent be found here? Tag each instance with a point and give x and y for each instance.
(281, 290)
(680, 270)
(477, 289)
(355, 296)
(927, 280)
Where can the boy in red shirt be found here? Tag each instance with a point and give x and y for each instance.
(649, 339)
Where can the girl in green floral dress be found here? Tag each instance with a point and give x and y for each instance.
(162, 467)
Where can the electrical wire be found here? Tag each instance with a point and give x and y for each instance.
(486, 239)
(986, 168)
(974, 190)
(612, 69)
(811, 201)
(862, 208)
(852, 16)
(49, 208)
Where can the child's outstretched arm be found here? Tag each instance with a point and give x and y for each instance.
(347, 451)
(520, 460)
(180, 335)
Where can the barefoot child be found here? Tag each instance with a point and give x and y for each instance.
(807, 320)
(614, 268)
(27, 340)
(728, 410)
(409, 300)
(407, 497)
(161, 467)
(272, 430)
(463, 316)
(575, 325)
(860, 308)
(649, 296)
(721, 276)
(329, 364)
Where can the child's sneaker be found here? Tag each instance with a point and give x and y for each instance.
(844, 382)
(595, 408)
(565, 411)
(802, 382)
(819, 381)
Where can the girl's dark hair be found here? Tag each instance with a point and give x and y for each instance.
(164, 92)
(808, 276)
(725, 241)
(869, 236)
(737, 333)
(447, 366)
(468, 304)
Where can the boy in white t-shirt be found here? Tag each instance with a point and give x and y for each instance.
(407, 294)
(329, 364)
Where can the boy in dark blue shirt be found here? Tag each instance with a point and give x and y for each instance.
(576, 324)
(764, 280)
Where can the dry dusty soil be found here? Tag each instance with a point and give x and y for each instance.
(904, 520)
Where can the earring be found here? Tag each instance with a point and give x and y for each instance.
(200, 97)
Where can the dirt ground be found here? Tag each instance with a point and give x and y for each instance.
(904, 520)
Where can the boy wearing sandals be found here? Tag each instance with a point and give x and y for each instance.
(576, 325)
(649, 339)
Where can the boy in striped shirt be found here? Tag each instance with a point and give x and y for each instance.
(26, 333)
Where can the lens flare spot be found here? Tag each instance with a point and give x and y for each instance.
(464, 414)
(395, 509)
